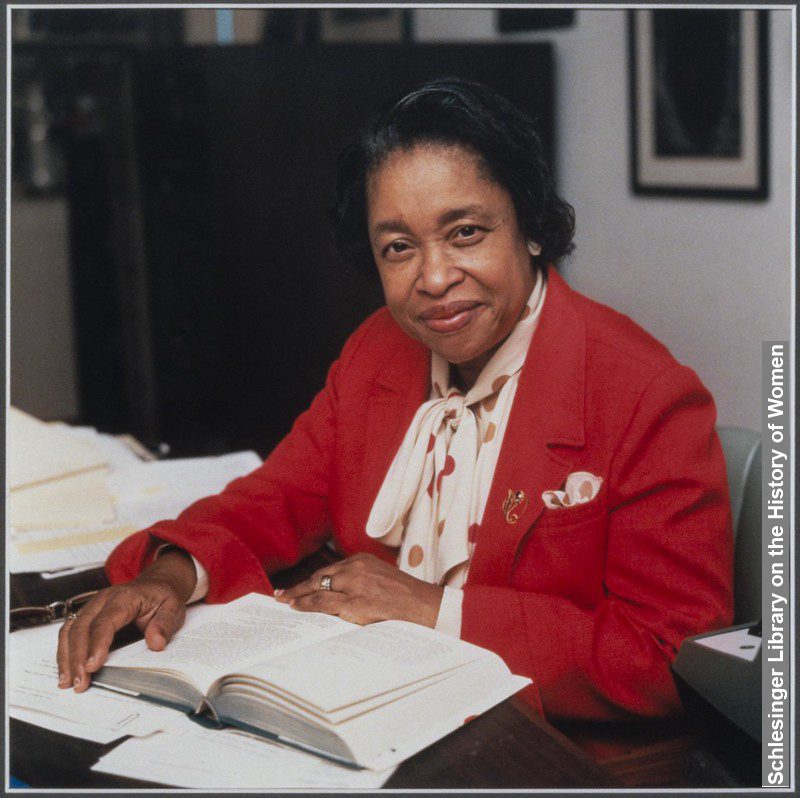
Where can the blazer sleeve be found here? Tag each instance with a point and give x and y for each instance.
(667, 575)
(263, 522)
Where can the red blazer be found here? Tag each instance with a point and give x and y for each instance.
(590, 602)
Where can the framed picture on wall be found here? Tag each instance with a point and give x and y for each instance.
(699, 102)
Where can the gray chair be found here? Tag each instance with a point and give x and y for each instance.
(742, 448)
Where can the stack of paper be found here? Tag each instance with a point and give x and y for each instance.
(141, 494)
(40, 452)
(56, 478)
(70, 501)
(117, 452)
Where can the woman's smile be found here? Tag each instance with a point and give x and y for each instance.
(451, 317)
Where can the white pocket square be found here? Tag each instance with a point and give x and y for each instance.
(580, 487)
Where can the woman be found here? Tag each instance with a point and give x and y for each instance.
(494, 454)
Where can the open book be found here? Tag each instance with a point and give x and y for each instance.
(368, 695)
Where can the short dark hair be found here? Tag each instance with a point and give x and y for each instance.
(452, 111)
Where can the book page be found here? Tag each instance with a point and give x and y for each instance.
(223, 638)
(365, 662)
(242, 684)
(388, 735)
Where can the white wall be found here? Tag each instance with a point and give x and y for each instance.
(711, 279)
(43, 372)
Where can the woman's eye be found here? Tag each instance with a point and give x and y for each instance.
(469, 234)
(396, 248)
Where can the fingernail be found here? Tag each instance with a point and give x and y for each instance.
(278, 592)
(62, 678)
(90, 663)
(76, 681)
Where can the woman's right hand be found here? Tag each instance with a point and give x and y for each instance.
(155, 601)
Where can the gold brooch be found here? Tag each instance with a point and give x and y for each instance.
(515, 505)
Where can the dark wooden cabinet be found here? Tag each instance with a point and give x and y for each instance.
(203, 200)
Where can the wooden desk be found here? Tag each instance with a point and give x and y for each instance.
(699, 750)
(506, 747)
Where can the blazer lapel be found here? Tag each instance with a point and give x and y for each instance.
(402, 386)
(548, 409)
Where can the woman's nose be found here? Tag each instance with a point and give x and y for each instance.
(437, 272)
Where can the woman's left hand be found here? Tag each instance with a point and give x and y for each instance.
(365, 589)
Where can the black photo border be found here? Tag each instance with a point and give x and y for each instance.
(758, 192)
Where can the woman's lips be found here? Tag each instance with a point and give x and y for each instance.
(449, 318)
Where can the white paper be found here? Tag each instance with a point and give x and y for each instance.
(33, 685)
(76, 500)
(191, 756)
(144, 494)
(40, 451)
(187, 479)
(118, 454)
(51, 550)
(69, 571)
(738, 643)
(62, 726)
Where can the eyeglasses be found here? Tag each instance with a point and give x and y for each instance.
(25, 617)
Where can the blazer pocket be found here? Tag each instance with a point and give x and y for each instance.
(570, 516)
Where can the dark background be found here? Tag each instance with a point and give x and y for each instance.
(207, 296)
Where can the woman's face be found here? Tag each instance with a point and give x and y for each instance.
(453, 261)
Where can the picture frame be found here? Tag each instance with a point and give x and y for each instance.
(698, 96)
